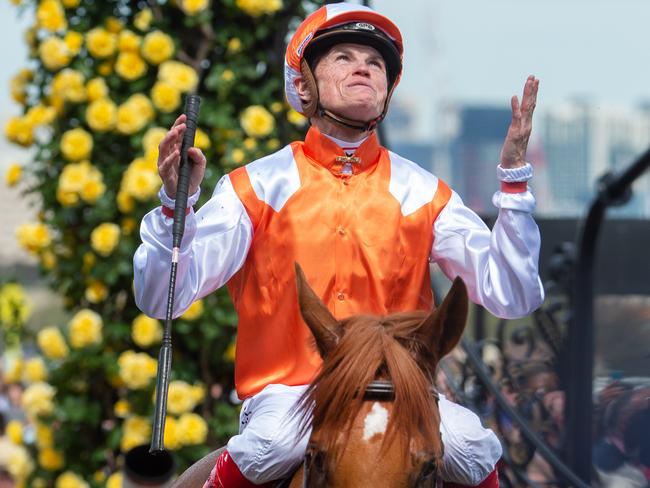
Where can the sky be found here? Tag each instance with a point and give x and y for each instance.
(482, 51)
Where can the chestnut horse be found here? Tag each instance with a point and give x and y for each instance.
(373, 407)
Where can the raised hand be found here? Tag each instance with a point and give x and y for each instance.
(169, 156)
(513, 152)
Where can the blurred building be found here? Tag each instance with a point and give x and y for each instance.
(473, 136)
(582, 142)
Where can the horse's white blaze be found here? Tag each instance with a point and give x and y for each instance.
(375, 422)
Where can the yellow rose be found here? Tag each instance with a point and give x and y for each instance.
(71, 3)
(105, 68)
(19, 131)
(250, 143)
(101, 115)
(134, 114)
(93, 188)
(18, 85)
(229, 354)
(100, 42)
(114, 480)
(237, 156)
(19, 464)
(122, 408)
(14, 370)
(152, 137)
(40, 115)
(171, 434)
(128, 226)
(140, 180)
(130, 66)
(73, 40)
(234, 45)
(14, 431)
(142, 19)
(114, 25)
(85, 329)
(52, 344)
(273, 144)
(33, 236)
(15, 308)
(125, 202)
(48, 260)
(70, 480)
(165, 97)
(257, 121)
(201, 140)
(50, 459)
(80, 180)
(76, 144)
(296, 118)
(96, 89)
(69, 84)
(193, 7)
(96, 292)
(13, 174)
(135, 432)
(195, 311)
(38, 399)
(180, 398)
(146, 331)
(157, 47)
(50, 16)
(227, 75)
(136, 369)
(255, 8)
(104, 238)
(193, 430)
(129, 41)
(35, 370)
(179, 75)
(54, 53)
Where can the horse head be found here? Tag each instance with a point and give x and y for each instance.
(360, 437)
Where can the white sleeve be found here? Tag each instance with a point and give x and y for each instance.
(500, 268)
(214, 247)
(471, 451)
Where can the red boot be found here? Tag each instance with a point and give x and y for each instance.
(226, 474)
(492, 481)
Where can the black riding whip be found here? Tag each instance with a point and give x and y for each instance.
(192, 104)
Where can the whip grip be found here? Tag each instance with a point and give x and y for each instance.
(192, 105)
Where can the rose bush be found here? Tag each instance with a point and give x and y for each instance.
(103, 82)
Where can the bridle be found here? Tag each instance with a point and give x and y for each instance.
(382, 390)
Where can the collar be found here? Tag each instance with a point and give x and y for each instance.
(328, 154)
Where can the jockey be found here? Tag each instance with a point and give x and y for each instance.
(364, 224)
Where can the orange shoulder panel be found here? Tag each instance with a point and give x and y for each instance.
(440, 199)
(244, 189)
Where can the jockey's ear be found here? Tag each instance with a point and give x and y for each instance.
(443, 327)
(318, 318)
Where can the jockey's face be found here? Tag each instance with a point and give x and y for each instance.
(352, 81)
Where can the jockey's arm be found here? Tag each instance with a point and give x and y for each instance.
(214, 247)
(500, 268)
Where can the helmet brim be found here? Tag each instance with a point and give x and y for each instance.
(376, 39)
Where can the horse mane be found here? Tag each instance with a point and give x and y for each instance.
(372, 348)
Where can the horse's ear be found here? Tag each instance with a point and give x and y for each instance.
(444, 326)
(314, 312)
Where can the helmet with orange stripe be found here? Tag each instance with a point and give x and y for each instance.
(335, 24)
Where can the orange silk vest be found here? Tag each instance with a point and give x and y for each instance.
(363, 241)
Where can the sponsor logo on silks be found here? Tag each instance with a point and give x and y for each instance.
(364, 25)
(303, 43)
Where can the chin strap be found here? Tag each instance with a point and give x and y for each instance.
(349, 123)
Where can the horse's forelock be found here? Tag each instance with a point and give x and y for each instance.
(369, 345)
